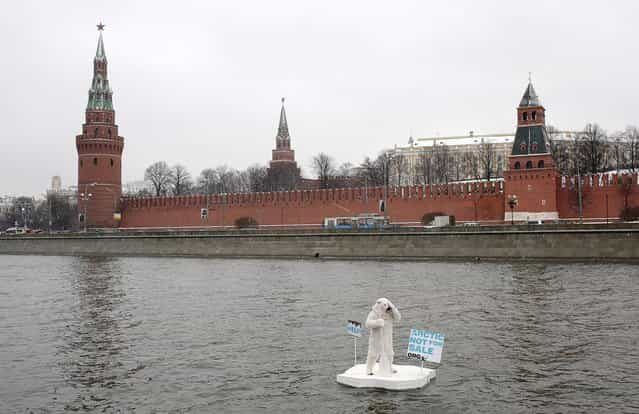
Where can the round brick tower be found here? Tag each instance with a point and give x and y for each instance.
(99, 152)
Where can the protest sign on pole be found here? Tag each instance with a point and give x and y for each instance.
(425, 345)
(354, 328)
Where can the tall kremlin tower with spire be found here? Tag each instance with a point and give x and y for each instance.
(283, 172)
(99, 151)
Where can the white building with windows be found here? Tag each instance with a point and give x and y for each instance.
(464, 155)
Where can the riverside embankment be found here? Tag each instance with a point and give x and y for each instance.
(585, 243)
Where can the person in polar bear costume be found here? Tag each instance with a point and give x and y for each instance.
(380, 341)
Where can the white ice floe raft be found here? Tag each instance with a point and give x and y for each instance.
(407, 377)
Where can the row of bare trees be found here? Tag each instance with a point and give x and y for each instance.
(56, 212)
(430, 165)
(589, 151)
(593, 150)
(438, 164)
(177, 180)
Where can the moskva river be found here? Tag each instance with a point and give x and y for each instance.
(197, 335)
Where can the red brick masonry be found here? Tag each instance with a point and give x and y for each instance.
(482, 202)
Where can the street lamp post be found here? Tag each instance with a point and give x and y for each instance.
(579, 194)
(86, 196)
(208, 195)
(512, 203)
(387, 165)
(24, 220)
(23, 209)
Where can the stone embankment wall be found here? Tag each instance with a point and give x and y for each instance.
(590, 244)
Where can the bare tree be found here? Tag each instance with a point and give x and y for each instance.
(345, 170)
(226, 179)
(487, 158)
(346, 176)
(562, 151)
(207, 181)
(442, 163)
(160, 175)
(470, 159)
(424, 166)
(591, 149)
(399, 166)
(257, 175)
(371, 172)
(616, 148)
(324, 167)
(21, 212)
(182, 182)
(630, 138)
(458, 165)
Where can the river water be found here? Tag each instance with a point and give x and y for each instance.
(203, 335)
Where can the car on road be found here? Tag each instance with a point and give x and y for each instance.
(15, 230)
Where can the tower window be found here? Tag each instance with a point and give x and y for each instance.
(95, 132)
(522, 147)
(534, 147)
(81, 164)
(534, 115)
(95, 161)
(529, 165)
(111, 161)
(517, 165)
(524, 116)
(540, 164)
(109, 131)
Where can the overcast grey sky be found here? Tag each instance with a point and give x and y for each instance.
(199, 82)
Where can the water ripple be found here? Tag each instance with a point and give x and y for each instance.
(195, 335)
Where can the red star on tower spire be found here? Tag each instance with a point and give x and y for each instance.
(100, 26)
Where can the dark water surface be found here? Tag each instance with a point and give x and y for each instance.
(198, 335)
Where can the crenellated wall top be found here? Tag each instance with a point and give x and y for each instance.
(600, 180)
(326, 196)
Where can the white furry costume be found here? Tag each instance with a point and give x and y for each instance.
(380, 341)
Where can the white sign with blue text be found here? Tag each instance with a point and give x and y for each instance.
(354, 328)
(425, 345)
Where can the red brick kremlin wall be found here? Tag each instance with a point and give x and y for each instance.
(599, 191)
(406, 205)
(467, 202)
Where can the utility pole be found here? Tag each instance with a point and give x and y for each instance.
(49, 205)
(388, 158)
(581, 211)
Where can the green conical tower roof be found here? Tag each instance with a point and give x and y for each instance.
(282, 130)
(100, 94)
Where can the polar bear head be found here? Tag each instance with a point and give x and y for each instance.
(382, 306)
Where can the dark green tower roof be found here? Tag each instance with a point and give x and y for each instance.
(530, 97)
(530, 140)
